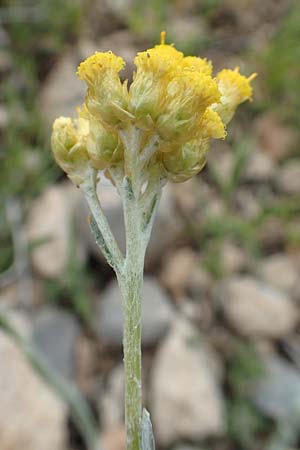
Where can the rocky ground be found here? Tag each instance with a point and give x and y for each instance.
(221, 344)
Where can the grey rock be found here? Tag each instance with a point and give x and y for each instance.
(31, 416)
(62, 92)
(186, 398)
(277, 393)
(259, 167)
(280, 271)
(233, 257)
(288, 178)
(55, 332)
(50, 222)
(177, 270)
(157, 313)
(111, 402)
(255, 309)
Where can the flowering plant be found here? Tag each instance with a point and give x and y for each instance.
(139, 137)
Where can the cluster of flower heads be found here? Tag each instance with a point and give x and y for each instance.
(172, 98)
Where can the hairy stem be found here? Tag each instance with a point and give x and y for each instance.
(132, 294)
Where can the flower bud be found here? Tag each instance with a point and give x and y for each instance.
(68, 143)
(186, 161)
(106, 94)
(154, 66)
(235, 89)
(104, 147)
(189, 93)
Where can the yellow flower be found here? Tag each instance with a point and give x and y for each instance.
(181, 162)
(158, 60)
(235, 89)
(96, 67)
(211, 125)
(174, 107)
(106, 95)
(197, 64)
(68, 143)
(154, 69)
(185, 161)
(188, 95)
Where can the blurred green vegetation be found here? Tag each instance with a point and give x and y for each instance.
(282, 69)
(245, 425)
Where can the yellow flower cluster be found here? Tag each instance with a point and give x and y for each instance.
(172, 96)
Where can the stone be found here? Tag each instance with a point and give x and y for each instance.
(49, 223)
(62, 92)
(13, 294)
(277, 392)
(113, 439)
(177, 271)
(256, 309)
(185, 195)
(186, 398)
(280, 271)
(233, 257)
(157, 313)
(165, 229)
(111, 402)
(31, 416)
(55, 333)
(260, 168)
(86, 365)
(274, 138)
(272, 233)
(288, 178)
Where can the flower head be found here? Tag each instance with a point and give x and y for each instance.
(106, 95)
(174, 103)
(235, 89)
(68, 142)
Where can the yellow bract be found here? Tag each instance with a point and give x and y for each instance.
(68, 143)
(173, 98)
(201, 65)
(235, 89)
(96, 66)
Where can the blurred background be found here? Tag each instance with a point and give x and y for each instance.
(221, 343)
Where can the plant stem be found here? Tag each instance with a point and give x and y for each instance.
(132, 294)
(132, 357)
(139, 212)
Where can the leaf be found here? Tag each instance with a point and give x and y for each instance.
(147, 437)
(100, 241)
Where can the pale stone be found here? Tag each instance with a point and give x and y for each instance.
(31, 416)
(177, 271)
(255, 309)
(277, 392)
(186, 398)
(259, 167)
(50, 220)
(288, 178)
(279, 271)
